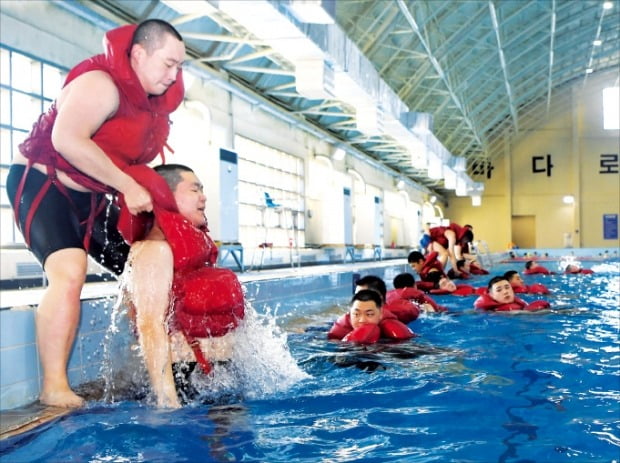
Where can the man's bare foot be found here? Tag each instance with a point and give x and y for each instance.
(64, 398)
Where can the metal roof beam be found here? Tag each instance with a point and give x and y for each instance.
(502, 61)
(437, 66)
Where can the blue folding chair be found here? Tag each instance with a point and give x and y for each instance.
(269, 201)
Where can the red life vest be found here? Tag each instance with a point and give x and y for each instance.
(474, 269)
(461, 290)
(431, 264)
(389, 327)
(539, 270)
(437, 234)
(405, 310)
(410, 294)
(136, 133)
(583, 271)
(208, 301)
(486, 302)
(535, 288)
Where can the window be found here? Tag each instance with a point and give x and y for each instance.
(611, 108)
(27, 88)
(268, 176)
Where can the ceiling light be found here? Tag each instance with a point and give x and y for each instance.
(589, 71)
(461, 186)
(568, 199)
(608, 5)
(339, 154)
(597, 43)
(449, 178)
(435, 166)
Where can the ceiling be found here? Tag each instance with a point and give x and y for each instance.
(486, 71)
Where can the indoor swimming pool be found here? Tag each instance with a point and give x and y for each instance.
(471, 387)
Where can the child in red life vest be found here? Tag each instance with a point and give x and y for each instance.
(367, 321)
(519, 286)
(405, 291)
(500, 297)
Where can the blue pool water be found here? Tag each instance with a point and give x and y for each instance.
(472, 387)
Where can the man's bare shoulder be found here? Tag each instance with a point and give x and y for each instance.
(97, 85)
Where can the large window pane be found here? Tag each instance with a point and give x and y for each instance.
(52, 81)
(23, 80)
(5, 67)
(26, 73)
(5, 147)
(26, 110)
(263, 169)
(5, 107)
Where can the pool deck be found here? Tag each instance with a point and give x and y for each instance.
(20, 420)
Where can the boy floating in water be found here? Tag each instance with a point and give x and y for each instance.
(519, 286)
(367, 322)
(501, 298)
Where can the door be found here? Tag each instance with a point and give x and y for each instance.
(524, 231)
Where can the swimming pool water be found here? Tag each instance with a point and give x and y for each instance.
(472, 387)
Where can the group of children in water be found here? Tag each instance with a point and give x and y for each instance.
(376, 313)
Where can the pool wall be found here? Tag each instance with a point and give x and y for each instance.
(20, 373)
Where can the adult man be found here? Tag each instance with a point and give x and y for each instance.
(112, 112)
(450, 242)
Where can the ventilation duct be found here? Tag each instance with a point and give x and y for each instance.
(322, 54)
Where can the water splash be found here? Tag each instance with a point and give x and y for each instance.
(260, 365)
(261, 362)
(565, 261)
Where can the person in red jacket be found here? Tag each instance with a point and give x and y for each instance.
(186, 310)
(405, 310)
(500, 297)
(450, 242)
(534, 268)
(575, 268)
(424, 266)
(441, 284)
(367, 322)
(112, 112)
(519, 286)
(405, 292)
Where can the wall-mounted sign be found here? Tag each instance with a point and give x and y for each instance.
(610, 226)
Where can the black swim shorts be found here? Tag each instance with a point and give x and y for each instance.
(59, 224)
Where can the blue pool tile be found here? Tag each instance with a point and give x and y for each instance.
(17, 364)
(16, 327)
(18, 394)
